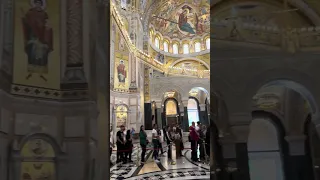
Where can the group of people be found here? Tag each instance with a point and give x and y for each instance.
(200, 138)
(169, 134)
(124, 145)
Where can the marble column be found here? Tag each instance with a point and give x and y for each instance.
(203, 115)
(101, 35)
(74, 76)
(298, 163)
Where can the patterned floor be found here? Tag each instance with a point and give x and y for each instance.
(122, 171)
(130, 170)
(175, 174)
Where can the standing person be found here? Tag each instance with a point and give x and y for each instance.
(194, 137)
(168, 137)
(120, 144)
(177, 141)
(201, 143)
(129, 145)
(111, 144)
(181, 139)
(143, 143)
(160, 140)
(155, 141)
(207, 145)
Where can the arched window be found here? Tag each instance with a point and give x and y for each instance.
(197, 47)
(193, 113)
(208, 43)
(165, 46)
(185, 49)
(157, 42)
(175, 49)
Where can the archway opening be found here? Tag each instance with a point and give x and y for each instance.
(193, 111)
(264, 150)
(286, 104)
(172, 115)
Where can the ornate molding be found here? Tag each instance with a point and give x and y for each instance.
(291, 39)
(49, 94)
(74, 68)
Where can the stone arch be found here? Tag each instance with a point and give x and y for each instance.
(190, 58)
(289, 78)
(42, 136)
(50, 158)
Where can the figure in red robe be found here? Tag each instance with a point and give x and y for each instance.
(122, 73)
(38, 38)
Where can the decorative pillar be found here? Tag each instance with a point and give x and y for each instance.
(6, 43)
(203, 115)
(298, 163)
(133, 82)
(74, 76)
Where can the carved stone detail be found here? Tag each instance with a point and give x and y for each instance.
(7, 37)
(74, 72)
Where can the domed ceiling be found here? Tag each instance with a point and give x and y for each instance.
(181, 18)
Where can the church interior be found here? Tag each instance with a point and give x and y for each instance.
(68, 89)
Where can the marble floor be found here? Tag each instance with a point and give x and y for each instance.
(182, 168)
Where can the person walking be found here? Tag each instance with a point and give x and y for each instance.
(120, 144)
(143, 143)
(194, 137)
(128, 146)
(155, 141)
(168, 137)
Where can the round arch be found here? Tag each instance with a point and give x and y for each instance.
(192, 59)
(266, 144)
(291, 79)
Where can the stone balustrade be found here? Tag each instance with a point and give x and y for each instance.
(301, 38)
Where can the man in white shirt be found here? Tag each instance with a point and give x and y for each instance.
(155, 141)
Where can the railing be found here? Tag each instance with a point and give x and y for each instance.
(144, 57)
(307, 37)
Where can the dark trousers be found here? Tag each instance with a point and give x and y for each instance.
(156, 148)
(143, 153)
(120, 153)
(169, 150)
(194, 149)
(207, 147)
(202, 150)
(160, 147)
(128, 151)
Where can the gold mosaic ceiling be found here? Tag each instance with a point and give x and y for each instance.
(181, 18)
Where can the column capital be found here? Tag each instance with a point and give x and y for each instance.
(202, 107)
(296, 144)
